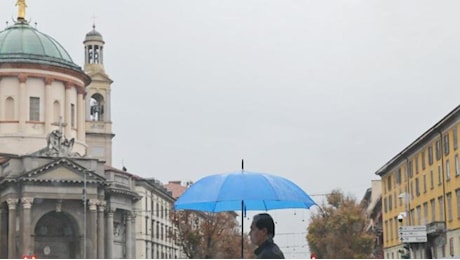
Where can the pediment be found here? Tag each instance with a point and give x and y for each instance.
(62, 170)
(60, 173)
(99, 76)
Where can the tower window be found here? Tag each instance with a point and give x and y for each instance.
(34, 109)
(90, 54)
(94, 54)
(97, 107)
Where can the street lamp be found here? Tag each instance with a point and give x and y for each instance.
(84, 215)
(405, 252)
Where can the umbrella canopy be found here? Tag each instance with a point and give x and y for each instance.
(243, 190)
(257, 191)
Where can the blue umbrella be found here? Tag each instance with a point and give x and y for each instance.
(243, 190)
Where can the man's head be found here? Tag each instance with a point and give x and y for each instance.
(262, 228)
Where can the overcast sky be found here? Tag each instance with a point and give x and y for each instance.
(323, 93)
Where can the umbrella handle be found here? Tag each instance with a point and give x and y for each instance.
(242, 227)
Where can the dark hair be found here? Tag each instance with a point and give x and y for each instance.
(264, 220)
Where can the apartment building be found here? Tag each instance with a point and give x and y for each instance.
(421, 186)
(154, 227)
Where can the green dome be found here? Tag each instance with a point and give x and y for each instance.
(22, 43)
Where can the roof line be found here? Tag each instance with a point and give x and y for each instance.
(417, 141)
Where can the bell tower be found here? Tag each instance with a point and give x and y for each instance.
(98, 103)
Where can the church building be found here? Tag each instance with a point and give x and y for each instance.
(59, 195)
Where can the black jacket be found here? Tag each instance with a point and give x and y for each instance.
(269, 250)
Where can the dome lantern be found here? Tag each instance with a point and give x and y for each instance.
(94, 47)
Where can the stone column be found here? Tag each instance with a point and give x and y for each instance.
(109, 234)
(101, 54)
(27, 248)
(22, 100)
(100, 230)
(12, 227)
(91, 247)
(67, 112)
(87, 106)
(133, 234)
(49, 115)
(108, 107)
(80, 118)
(129, 242)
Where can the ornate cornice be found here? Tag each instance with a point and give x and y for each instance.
(32, 175)
(75, 72)
(134, 196)
(22, 77)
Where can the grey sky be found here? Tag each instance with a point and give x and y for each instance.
(321, 92)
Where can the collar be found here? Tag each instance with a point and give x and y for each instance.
(265, 244)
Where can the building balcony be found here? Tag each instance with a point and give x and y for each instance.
(435, 228)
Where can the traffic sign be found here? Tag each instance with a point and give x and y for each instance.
(412, 234)
(412, 228)
(414, 239)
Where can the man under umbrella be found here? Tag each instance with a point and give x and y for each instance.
(262, 234)
(243, 191)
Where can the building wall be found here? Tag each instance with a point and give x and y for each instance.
(49, 87)
(153, 222)
(423, 184)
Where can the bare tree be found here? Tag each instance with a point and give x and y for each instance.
(338, 230)
(209, 235)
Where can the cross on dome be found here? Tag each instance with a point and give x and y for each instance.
(61, 124)
(21, 4)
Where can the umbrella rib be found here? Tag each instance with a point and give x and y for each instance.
(268, 180)
(219, 192)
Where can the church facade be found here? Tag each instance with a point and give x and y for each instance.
(59, 195)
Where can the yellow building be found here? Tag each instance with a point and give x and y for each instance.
(421, 186)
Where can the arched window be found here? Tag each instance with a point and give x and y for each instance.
(97, 107)
(9, 109)
(56, 111)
